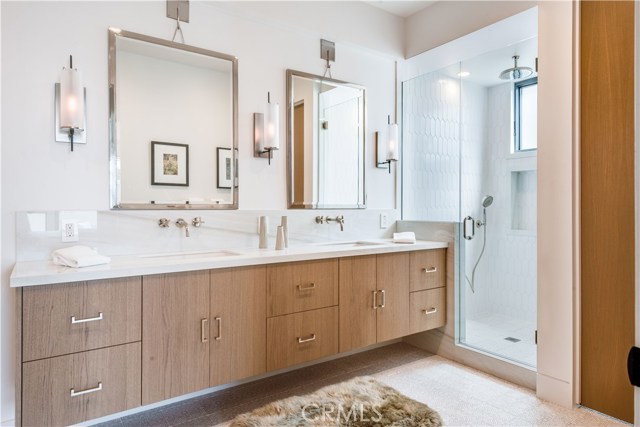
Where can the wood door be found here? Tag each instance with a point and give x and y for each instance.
(175, 335)
(357, 313)
(393, 292)
(298, 154)
(607, 205)
(238, 324)
(69, 389)
(301, 286)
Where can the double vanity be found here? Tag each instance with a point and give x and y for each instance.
(143, 329)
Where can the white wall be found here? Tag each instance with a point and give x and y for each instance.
(267, 38)
(445, 21)
(556, 192)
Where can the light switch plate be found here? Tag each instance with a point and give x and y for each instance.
(384, 221)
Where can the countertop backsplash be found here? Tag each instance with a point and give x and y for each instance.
(115, 233)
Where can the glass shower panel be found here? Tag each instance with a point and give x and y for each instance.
(497, 265)
(431, 146)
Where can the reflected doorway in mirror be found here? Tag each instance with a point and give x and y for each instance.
(225, 168)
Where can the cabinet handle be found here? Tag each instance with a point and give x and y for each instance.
(86, 391)
(312, 337)
(100, 316)
(203, 334)
(430, 270)
(384, 299)
(219, 320)
(432, 310)
(374, 297)
(309, 287)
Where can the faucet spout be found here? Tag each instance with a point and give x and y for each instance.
(181, 223)
(339, 219)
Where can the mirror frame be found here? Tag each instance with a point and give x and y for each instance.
(115, 204)
(290, 103)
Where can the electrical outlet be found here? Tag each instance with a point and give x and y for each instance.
(69, 231)
(384, 221)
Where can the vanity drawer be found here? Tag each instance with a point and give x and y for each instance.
(300, 337)
(427, 269)
(428, 309)
(73, 317)
(301, 286)
(65, 390)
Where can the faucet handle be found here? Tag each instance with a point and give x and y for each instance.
(197, 221)
(319, 220)
(164, 222)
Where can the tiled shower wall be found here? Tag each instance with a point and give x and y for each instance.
(443, 181)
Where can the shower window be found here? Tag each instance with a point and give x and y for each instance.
(526, 115)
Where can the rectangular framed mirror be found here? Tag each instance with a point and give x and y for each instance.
(325, 143)
(173, 125)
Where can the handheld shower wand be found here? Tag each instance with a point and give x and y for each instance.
(486, 202)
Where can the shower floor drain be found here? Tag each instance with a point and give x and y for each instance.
(512, 339)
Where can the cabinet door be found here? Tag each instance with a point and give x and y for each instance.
(175, 334)
(238, 324)
(393, 293)
(357, 300)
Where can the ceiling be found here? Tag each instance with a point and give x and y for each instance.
(401, 8)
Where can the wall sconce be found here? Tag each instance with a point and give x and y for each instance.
(70, 99)
(387, 149)
(266, 135)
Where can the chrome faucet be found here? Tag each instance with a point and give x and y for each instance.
(319, 220)
(339, 219)
(181, 223)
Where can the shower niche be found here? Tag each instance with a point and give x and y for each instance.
(523, 200)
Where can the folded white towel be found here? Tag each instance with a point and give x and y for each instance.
(406, 237)
(78, 256)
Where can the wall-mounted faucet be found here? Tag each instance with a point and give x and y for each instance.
(339, 219)
(181, 223)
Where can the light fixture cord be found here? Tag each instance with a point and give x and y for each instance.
(178, 28)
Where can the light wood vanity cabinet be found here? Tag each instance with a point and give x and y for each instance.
(374, 299)
(80, 351)
(175, 327)
(90, 349)
(238, 324)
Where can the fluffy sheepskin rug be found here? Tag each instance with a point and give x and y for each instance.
(359, 402)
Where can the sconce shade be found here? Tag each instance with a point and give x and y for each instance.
(271, 138)
(392, 143)
(71, 100)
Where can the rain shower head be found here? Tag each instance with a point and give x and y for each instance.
(516, 73)
(486, 201)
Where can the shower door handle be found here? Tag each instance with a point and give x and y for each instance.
(465, 230)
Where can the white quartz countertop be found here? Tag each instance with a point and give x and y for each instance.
(32, 273)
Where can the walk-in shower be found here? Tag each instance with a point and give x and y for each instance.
(469, 158)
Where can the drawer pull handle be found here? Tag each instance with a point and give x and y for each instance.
(432, 310)
(384, 299)
(100, 316)
(75, 393)
(430, 270)
(312, 337)
(219, 320)
(374, 297)
(203, 327)
(309, 287)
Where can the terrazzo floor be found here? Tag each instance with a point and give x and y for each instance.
(462, 396)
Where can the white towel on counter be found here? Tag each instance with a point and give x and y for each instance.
(406, 237)
(78, 256)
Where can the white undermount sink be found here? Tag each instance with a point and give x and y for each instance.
(352, 244)
(192, 254)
